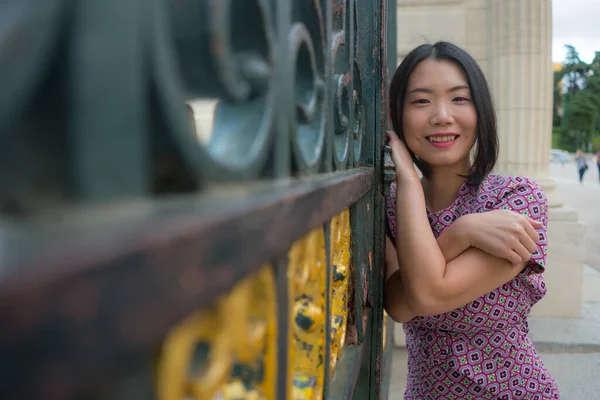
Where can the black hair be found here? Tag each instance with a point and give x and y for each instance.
(486, 152)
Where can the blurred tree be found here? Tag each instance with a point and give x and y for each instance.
(580, 98)
(557, 109)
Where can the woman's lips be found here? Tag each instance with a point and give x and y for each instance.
(442, 141)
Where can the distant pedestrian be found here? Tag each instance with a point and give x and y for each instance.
(598, 163)
(581, 164)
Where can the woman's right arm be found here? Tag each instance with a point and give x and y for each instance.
(394, 299)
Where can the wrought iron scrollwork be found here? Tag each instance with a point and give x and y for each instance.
(306, 55)
(181, 67)
(222, 50)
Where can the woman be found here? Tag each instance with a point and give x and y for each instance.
(581, 164)
(471, 245)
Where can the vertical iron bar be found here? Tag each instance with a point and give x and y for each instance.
(108, 132)
(392, 59)
(283, 343)
(328, 159)
(328, 319)
(378, 261)
(284, 82)
(392, 39)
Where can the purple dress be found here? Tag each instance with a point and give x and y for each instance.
(482, 350)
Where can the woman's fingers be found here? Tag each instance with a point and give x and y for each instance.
(534, 223)
(523, 253)
(392, 135)
(403, 163)
(532, 233)
(528, 240)
(529, 244)
(514, 258)
(396, 145)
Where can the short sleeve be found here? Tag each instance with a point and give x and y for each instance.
(527, 198)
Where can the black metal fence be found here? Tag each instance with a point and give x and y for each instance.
(154, 156)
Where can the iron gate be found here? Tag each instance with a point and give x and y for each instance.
(192, 199)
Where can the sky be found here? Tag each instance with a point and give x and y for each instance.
(576, 22)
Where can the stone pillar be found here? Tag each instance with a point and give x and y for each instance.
(520, 74)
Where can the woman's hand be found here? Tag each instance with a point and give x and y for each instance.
(502, 233)
(405, 170)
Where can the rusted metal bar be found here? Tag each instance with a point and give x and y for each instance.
(103, 286)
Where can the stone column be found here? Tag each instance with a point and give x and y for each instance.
(520, 74)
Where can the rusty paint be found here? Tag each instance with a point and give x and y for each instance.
(364, 317)
(352, 335)
(340, 262)
(347, 78)
(338, 8)
(365, 289)
(306, 280)
(239, 330)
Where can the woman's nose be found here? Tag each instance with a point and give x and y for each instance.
(441, 116)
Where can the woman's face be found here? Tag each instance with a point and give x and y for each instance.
(439, 118)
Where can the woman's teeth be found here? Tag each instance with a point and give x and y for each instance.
(442, 138)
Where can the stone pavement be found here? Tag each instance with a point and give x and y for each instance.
(570, 348)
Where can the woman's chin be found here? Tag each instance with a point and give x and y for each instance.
(446, 162)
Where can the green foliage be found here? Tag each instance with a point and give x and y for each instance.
(596, 143)
(580, 102)
(556, 137)
(557, 96)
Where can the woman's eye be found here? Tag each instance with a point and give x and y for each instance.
(461, 99)
(421, 101)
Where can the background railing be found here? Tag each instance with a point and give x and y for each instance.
(192, 199)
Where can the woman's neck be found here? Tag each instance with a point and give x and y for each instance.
(441, 188)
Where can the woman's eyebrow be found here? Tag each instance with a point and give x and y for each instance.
(458, 87)
(420, 90)
(426, 90)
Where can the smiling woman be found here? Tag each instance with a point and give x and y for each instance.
(442, 96)
(438, 113)
(467, 247)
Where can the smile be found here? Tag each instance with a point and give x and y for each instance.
(442, 141)
(442, 138)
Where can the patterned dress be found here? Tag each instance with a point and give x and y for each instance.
(482, 350)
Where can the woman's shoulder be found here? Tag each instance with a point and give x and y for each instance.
(494, 182)
(500, 189)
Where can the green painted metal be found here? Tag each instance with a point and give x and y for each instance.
(103, 167)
